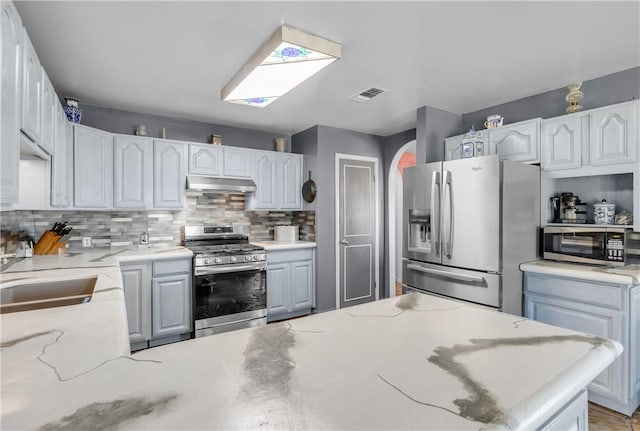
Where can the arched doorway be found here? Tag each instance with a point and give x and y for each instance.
(404, 157)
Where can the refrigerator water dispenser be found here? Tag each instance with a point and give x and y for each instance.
(420, 230)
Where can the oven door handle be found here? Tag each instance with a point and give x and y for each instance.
(207, 270)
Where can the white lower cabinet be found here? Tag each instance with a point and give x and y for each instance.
(158, 300)
(290, 283)
(602, 309)
(572, 417)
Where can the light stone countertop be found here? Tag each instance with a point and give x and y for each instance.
(627, 275)
(278, 245)
(413, 362)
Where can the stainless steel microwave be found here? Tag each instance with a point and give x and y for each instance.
(594, 245)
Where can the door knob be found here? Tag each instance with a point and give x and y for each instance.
(344, 241)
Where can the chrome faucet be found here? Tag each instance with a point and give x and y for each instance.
(4, 256)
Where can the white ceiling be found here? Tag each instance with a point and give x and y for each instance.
(172, 58)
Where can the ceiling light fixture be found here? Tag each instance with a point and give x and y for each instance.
(287, 58)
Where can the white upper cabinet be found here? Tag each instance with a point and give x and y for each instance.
(561, 142)
(518, 142)
(265, 166)
(169, 174)
(205, 160)
(11, 58)
(62, 161)
(48, 114)
(133, 172)
(613, 134)
(278, 178)
(290, 170)
(31, 90)
(237, 162)
(92, 168)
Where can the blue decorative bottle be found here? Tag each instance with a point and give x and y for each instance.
(73, 113)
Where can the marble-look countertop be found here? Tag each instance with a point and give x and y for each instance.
(279, 245)
(74, 260)
(627, 275)
(413, 362)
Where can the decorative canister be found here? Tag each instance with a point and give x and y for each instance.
(281, 144)
(216, 139)
(286, 233)
(73, 113)
(603, 212)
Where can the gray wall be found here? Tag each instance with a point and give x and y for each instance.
(118, 121)
(390, 145)
(432, 126)
(605, 90)
(325, 142)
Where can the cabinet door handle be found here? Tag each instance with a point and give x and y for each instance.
(344, 241)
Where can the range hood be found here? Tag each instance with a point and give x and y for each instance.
(220, 184)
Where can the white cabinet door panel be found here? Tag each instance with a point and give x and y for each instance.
(237, 162)
(93, 168)
(11, 37)
(290, 167)
(48, 114)
(62, 161)
(31, 89)
(561, 143)
(302, 288)
(171, 299)
(614, 134)
(517, 142)
(137, 296)
(265, 176)
(205, 160)
(133, 172)
(278, 286)
(169, 174)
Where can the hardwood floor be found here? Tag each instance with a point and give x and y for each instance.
(603, 419)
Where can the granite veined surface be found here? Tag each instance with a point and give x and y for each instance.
(412, 362)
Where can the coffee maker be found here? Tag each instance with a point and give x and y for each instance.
(567, 208)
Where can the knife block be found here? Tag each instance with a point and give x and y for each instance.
(48, 244)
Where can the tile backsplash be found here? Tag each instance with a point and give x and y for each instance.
(117, 228)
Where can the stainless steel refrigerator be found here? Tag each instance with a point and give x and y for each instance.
(468, 224)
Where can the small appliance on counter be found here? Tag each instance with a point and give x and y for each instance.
(286, 234)
(611, 246)
(567, 208)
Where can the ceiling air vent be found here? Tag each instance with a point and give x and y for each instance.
(367, 94)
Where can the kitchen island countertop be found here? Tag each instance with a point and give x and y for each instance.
(627, 275)
(413, 362)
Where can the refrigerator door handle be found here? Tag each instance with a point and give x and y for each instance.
(448, 227)
(435, 213)
(447, 274)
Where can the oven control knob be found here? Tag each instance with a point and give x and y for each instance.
(255, 257)
(233, 259)
(217, 260)
(263, 257)
(247, 258)
(207, 261)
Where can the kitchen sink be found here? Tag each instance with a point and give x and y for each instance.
(46, 294)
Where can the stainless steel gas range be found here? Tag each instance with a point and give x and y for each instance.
(229, 280)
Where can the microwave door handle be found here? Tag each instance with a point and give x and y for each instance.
(435, 212)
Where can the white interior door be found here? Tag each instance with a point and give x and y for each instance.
(357, 230)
